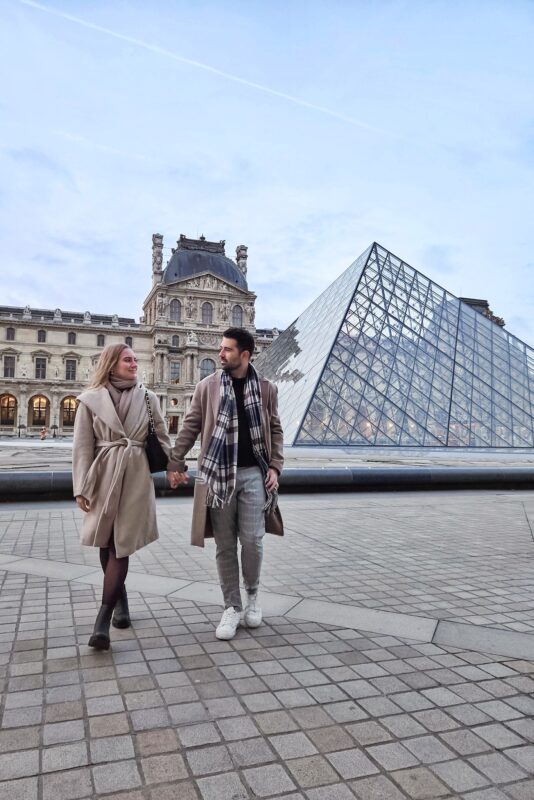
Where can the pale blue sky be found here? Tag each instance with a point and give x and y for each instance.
(318, 128)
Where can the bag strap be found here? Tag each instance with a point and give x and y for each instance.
(151, 425)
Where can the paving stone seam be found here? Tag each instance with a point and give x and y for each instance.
(423, 629)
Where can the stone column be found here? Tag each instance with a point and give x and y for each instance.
(22, 410)
(54, 412)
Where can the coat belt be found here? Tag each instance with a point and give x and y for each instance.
(102, 446)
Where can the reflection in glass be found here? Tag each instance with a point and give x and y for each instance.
(386, 357)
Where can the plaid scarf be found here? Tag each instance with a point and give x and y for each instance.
(219, 464)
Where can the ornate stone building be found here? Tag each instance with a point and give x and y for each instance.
(47, 357)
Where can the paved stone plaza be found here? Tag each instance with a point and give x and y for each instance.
(396, 660)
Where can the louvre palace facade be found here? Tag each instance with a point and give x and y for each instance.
(47, 356)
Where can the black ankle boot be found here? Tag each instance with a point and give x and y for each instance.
(100, 636)
(121, 615)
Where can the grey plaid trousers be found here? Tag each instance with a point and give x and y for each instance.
(241, 519)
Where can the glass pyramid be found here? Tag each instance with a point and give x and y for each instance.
(384, 356)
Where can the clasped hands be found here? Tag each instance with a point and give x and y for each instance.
(177, 479)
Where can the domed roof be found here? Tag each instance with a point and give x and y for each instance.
(196, 256)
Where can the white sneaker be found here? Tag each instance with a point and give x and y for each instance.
(229, 623)
(252, 615)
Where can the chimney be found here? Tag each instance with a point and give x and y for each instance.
(241, 257)
(157, 258)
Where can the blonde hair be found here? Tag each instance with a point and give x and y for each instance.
(109, 358)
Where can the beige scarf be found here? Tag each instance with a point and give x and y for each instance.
(119, 390)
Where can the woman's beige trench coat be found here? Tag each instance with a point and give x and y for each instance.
(110, 469)
(201, 419)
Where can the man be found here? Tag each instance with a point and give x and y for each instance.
(241, 458)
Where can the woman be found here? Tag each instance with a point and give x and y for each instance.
(111, 479)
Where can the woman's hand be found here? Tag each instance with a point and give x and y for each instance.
(83, 503)
(177, 479)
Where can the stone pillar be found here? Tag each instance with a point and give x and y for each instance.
(22, 410)
(54, 410)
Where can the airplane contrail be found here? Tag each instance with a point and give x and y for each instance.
(207, 68)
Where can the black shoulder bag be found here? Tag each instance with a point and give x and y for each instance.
(157, 458)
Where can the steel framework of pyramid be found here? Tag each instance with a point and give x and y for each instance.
(386, 357)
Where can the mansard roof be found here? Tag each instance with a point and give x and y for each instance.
(198, 256)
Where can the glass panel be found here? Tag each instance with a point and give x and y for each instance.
(9, 366)
(394, 359)
(8, 409)
(70, 370)
(207, 367)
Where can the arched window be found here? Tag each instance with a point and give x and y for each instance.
(68, 411)
(71, 337)
(207, 313)
(100, 340)
(8, 409)
(41, 336)
(207, 367)
(128, 340)
(237, 317)
(175, 311)
(38, 411)
(10, 334)
(175, 341)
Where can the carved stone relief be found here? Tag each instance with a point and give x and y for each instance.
(224, 309)
(191, 307)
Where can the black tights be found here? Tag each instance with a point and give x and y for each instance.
(115, 571)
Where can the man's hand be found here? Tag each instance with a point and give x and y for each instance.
(83, 503)
(177, 479)
(271, 479)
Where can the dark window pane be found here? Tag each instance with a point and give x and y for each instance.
(207, 367)
(8, 408)
(40, 368)
(70, 369)
(207, 314)
(9, 366)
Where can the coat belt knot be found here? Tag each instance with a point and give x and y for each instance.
(102, 446)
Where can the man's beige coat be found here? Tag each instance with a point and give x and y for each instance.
(201, 419)
(110, 469)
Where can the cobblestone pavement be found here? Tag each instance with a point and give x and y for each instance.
(460, 556)
(297, 709)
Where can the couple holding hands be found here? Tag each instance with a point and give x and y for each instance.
(236, 414)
